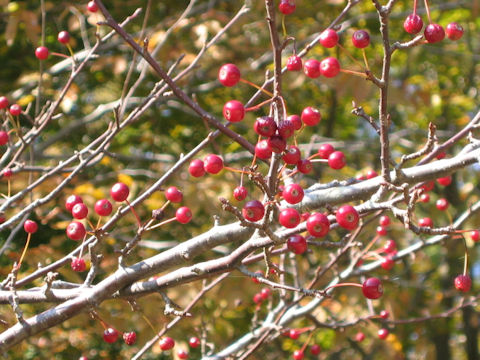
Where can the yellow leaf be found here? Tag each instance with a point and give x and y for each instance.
(126, 179)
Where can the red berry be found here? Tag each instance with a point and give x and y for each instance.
(182, 354)
(347, 217)
(318, 225)
(292, 155)
(240, 193)
(71, 201)
(293, 193)
(434, 33)
(328, 38)
(413, 24)
(428, 186)
(296, 121)
(305, 166)
(441, 155)
(289, 218)
(76, 230)
(312, 68)
(383, 333)
(213, 164)
(229, 75)
(30, 226)
(286, 129)
(445, 181)
(454, 31)
(297, 244)
(262, 150)
(103, 207)
(265, 126)
(425, 222)
(15, 109)
(119, 192)
(298, 355)
(360, 39)
(3, 102)
(277, 144)
(7, 173)
(110, 335)
(384, 220)
(194, 342)
(78, 265)
(63, 37)
(183, 215)
(311, 116)
(196, 168)
(387, 263)
(3, 138)
(253, 210)
(475, 235)
(371, 174)
(41, 53)
(130, 337)
(425, 198)
(442, 204)
(463, 283)
(257, 298)
(360, 336)
(325, 150)
(82, 358)
(234, 111)
(286, 7)
(381, 230)
(166, 343)
(315, 349)
(265, 293)
(294, 334)
(294, 63)
(92, 6)
(390, 246)
(80, 211)
(372, 288)
(336, 160)
(384, 314)
(173, 194)
(329, 67)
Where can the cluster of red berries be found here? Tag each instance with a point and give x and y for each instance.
(433, 33)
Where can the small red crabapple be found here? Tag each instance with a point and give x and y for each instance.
(7, 173)
(173, 194)
(3, 102)
(311, 116)
(318, 225)
(434, 33)
(454, 31)
(381, 230)
(384, 314)
(294, 334)
(445, 181)
(63, 37)
(30, 226)
(182, 354)
(428, 186)
(387, 263)
(425, 222)
(15, 109)
(292, 155)
(425, 198)
(442, 204)
(262, 150)
(298, 355)
(92, 6)
(311, 68)
(384, 220)
(119, 192)
(297, 244)
(194, 341)
(240, 193)
(213, 164)
(463, 283)
(78, 265)
(325, 150)
(41, 53)
(183, 215)
(130, 338)
(293, 193)
(253, 210)
(296, 121)
(390, 246)
(336, 160)
(382, 334)
(71, 201)
(103, 207)
(360, 336)
(166, 343)
(229, 75)
(257, 298)
(305, 166)
(441, 155)
(294, 63)
(265, 126)
(3, 138)
(371, 174)
(475, 235)
(233, 111)
(277, 144)
(315, 349)
(329, 67)
(110, 335)
(80, 211)
(413, 24)
(328, 38)
(196, 168)
(360, 39)
(286, 129)
(347, 217)
(286, 7)
(75, 230)
(289, 218)
(265, 293)
(372, 288)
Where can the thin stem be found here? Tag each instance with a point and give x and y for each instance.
(356, 73)
(134, 213)
(414, 7)
(256, 87)
(258, 106)
(427, 8)
(161, 224)
(365, 59)
(29, 236)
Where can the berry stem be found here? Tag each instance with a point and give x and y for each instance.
(134, 213)
(341, 285)
(284, 28)
(238, 171)
(350, 55)
(465, 263)
(149, 324)
(59, 55)
(258, 106)
(161, 224)
(256, 87)
(306, 342)
(428, 11)
(365, 59)
(8, 188)
(414, 7)
(29, 236)
(356, 73)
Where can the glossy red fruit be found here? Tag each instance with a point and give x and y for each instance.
(318, 225)
(30, 226)
(463, 283)
(347, 217)
(292, 155)
(265, 293)
(119, 192)
(262, 150)
(434, 33)
(182, 354)
(130, 338)
(253, 210)
(41, 53)
(80, 211)
(7, 173)
(311, 68)
(445, 181)
(265, 126)
(71, 201)
(328, 38)
(454, 31)
(384, 314)
(294, 63)
(183, 215)
(286, 129)
(296, 121)
(336, 160)
(254, 279)
(78, 265)
(441, 155)
(424, 198)
(360, 336)
(294, 334)
(76, 230)
(234, 111)
(289, 218)
(305, 166)
(371, 174)
(387, 263)
(110, 335)
(413, 24)
(382, 334)
(240, 193)
(286, 7)
(372, 288)
(194, 341)
(15, 109)
(311, 116)
(166, 343)
(325, 150)
(425, 222)
(196, 168)
(257, 298)
(360, 39)
(277, 144)
(298, 355)
(442, 204)
(213, 164)
(297, 244)
(384, 220)
(92, 6)
(229, 75)
(293, 193)
(3, 138)
(428, 186)
(63, 37)
(315, 349)
(475, 235)
(390, 246)
(381, 230)
(173, 194)
(329, 67)
(3, 102)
